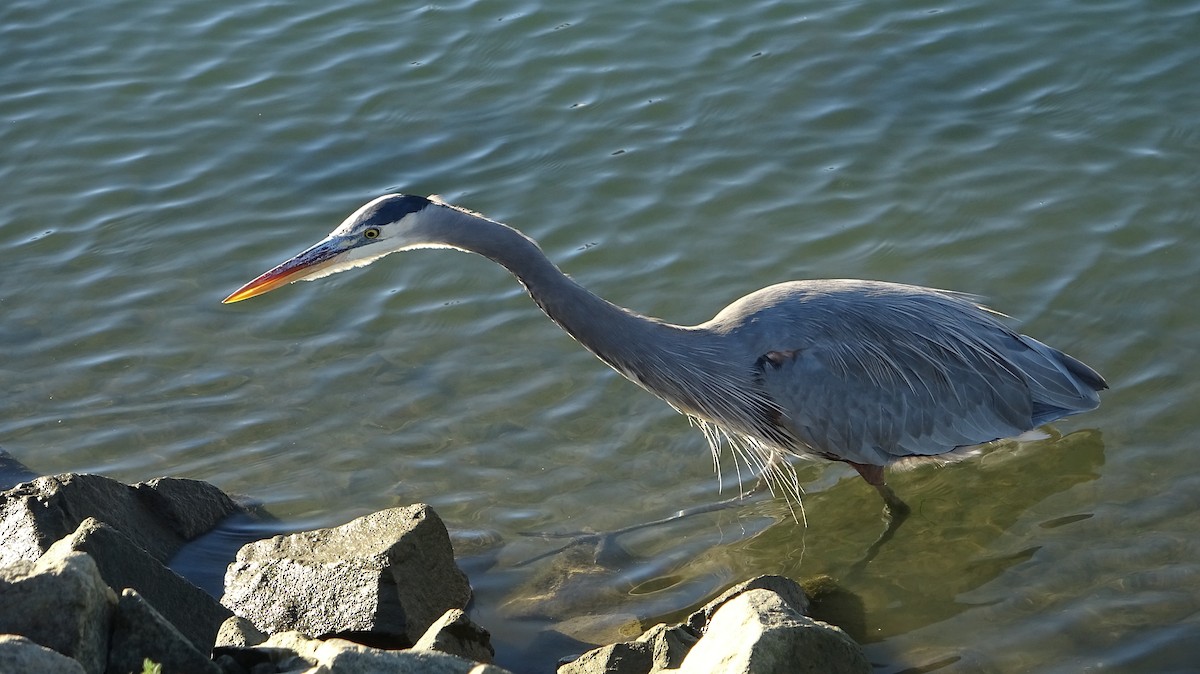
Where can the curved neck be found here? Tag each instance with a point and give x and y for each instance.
(653, 353)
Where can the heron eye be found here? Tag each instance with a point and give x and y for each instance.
(372, 233)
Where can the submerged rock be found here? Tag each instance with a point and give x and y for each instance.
(385, 577)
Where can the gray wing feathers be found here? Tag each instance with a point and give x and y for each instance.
(1065, 385)
(915, 373)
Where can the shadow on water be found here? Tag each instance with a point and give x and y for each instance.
(954, 541)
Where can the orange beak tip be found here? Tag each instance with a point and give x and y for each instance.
(260, 285)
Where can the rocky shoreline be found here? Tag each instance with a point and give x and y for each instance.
(85, 588)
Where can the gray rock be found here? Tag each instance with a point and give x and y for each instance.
(787, 589)
(454, 633)
(295, 652)
(627, 657)
(61, 602)
(390, 574)
(758, 632)
(140, 632)
(345, 657)
(189, 507)
(18, 654)
(157, 516)
(660, 648)
(123, 564)
(237, 632)
(668, 645)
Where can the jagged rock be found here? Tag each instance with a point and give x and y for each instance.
(758, 632)
(61, 602)
(18, 654)
(787, 589)
(122, 564)
(140, 632)
(390, 574)
(660, 648)
(237, 632)
(626, 657)
(189, 507)
(668, 645)
(773, 621)
(454, 633)
(158, 516)
(295, 652)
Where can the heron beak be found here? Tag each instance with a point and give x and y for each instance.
(298, 268)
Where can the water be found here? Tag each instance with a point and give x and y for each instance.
(672, 156)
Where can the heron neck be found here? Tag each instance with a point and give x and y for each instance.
(641, 348)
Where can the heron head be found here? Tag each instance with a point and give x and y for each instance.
(384, 225)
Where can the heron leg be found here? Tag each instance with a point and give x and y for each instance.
(895, 511)
(895, 507)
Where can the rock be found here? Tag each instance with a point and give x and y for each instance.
(18, 654)
(237, 632)
(575, 580)
(454, 633)
(758, 632)
(140, 632)
(157, 516)
(390, 574)
(189, 507)
(295, 652)
(599, 627)
(122, 564)
(668, 645)
(61, 602)
(627, 657)
(830, 602)
(786, 588)
(660, 648)
(12, 471)
(345, 657)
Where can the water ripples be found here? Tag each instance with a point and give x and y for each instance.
(672, 156)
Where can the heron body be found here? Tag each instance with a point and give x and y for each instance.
(863, 372)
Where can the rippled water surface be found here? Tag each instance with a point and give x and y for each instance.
(672, 156)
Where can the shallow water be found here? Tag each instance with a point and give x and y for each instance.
(672, 156)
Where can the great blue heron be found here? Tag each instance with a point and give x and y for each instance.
(863, 372)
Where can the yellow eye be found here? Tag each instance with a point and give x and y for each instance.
(372, 233)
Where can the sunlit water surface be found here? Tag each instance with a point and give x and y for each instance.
(672, 156)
